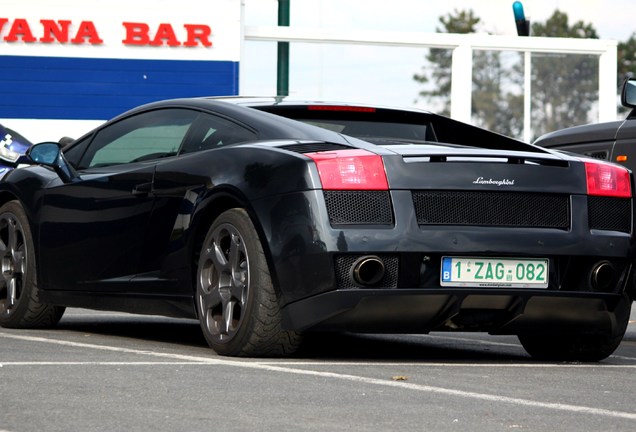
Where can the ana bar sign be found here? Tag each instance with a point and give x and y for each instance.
(49, 31)
(81, 61)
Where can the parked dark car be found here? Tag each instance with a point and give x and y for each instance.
(265, 226)
(611, 141)
(12, 147)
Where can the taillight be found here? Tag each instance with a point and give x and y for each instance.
(607, 180)
(350, 170)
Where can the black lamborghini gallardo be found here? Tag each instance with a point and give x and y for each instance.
(266, 219)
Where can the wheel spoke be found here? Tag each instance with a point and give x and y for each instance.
(19, 261)
(13, 235)
(238, 263)
(11, 293)
(210, 300)
(236, 248)
(217, 256)
(228, 315)
(5, 223)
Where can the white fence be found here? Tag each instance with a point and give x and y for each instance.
(463, 46)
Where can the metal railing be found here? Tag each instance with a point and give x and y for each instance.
(463, 46)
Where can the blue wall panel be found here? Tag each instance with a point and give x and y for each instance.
(98, 89)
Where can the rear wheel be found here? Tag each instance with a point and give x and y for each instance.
(236, 300)
(19, 303)
(578, 347)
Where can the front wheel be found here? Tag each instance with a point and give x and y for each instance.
(236, 300)
(19, 303)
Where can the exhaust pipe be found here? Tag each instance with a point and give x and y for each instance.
(367, 270)
(603, 276)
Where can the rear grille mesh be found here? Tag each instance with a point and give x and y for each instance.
(503, 209)
(359, 207)
(609, 213)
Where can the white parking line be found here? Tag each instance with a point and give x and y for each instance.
(451, 365)
(327, 363)
(338, 376)
(102, 363)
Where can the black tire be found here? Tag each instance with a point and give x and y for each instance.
(236, 301)
(578, 347)
(19, 303)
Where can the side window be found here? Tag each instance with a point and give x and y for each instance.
(145, 136)
(210, 132)
(75, 153)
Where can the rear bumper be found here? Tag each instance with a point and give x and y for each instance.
(495, 311)
(309, 256)
(313, 262)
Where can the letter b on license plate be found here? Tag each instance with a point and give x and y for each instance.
(494, 272)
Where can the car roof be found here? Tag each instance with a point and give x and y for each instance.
(447, 130)
(580, 134)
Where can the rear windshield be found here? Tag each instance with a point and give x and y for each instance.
(393, 126)
(367, 129)
(365, 123)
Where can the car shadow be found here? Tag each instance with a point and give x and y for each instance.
(315, 346)
(148, 328)
(389, 347)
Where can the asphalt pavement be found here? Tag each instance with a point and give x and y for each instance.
(102, 371)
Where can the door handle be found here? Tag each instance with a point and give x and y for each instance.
(142, 189)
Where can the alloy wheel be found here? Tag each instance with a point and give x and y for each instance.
(13, 262)
(223, 282)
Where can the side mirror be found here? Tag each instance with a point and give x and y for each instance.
(50, 154)
(628, 95)
(46, 153)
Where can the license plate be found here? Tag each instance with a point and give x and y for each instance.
(494, 272)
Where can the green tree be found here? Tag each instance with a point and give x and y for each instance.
(626, 62)
(493, 105)
(564, 86)
(497, 98)
(626, 58)
(437, 69)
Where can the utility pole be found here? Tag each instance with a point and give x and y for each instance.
(282, 71)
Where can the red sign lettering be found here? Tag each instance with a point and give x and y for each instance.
(54, 31)
(165, 32)
(20, 30)
(139, 34)
(87, 30)
(198, 32)
(136, 33)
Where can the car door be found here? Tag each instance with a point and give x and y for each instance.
(177, 186)
(93, 230)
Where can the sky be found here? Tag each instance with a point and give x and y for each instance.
(385, 74)
(613, 19)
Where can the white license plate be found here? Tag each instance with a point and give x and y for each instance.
(494, 272)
